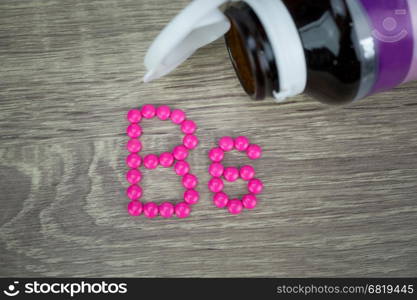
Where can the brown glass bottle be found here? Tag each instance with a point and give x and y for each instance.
(337, 70)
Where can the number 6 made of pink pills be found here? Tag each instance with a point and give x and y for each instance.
(231, 174)
(177, 159)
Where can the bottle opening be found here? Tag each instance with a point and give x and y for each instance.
(240, 60)
(251, 52)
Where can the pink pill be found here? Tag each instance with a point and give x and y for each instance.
(254, 151)
(163, 112)
(133, 161)
(226, 143)
(182, 168)
(166, 210)
(241, 143)
(166, 159)
(191, 197)
(134, 130)
(247, 173)
(189, 181)
(255, 186)
(235, 206)
(150, 210)
(134, 192)
(134, 146)
(220, 199)
(135, 208)
(216, 154)
(133, 176)
(177, 116)
(190, 141)
(134, 116)
(148, 111)
(216, 169)
(150, 161)
(180, 152)
(249, 201)
(182, 210)
(231, 174)
(216, 185)
(188, 127)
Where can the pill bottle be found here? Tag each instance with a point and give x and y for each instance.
(337, 51)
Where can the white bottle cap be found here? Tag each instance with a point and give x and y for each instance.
(202, 22)
(199, 24)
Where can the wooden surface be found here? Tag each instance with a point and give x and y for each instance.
(341, 182)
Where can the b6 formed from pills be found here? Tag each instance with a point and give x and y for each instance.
(177, 160)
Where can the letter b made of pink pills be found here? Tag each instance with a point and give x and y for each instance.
(177, 160)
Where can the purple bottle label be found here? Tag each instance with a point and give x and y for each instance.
(412, 74)
(391, 24)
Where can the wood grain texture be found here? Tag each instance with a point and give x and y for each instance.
(341, 182)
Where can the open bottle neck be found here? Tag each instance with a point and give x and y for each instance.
(251, 52)
(266, 49)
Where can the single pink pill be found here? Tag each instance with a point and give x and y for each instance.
(191, 196)
(150, 210)
(134, 146)
(216, 154)
(189, 181)
(134, 192)
(220, 199)
(255, 186)
(188, 126)
(177, 116)
(231, 174)
(181, 168)
(135, 208)
(148, 111)
(247, 173)
(133, 161)
(241, 143)
(254, 151)
(182, 210)
(150, 161)
(166, 159)
(133, 176)
(134, 116)
(166, 210)
(163, 112)
(190, 141)
(134, 130)
(216, 185)
(226, 143)
(180, 152)
(249, 201)
(235, 206)
(216, 169)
